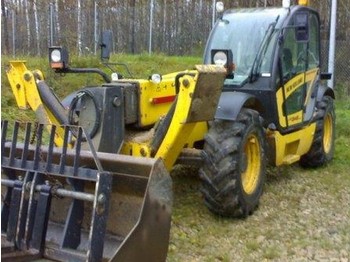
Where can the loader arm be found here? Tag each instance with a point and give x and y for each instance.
(31, 92)
(196, 102)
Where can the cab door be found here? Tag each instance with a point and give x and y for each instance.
(298, 70)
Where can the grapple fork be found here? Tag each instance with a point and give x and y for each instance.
(70, 204)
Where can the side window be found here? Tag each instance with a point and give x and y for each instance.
(294, 64)
(313, 54)
(294, 102)
(292, 56)
(288, 55)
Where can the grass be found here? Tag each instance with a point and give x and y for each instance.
(304, 214)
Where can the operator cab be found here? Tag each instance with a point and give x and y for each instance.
(243, 31)
(276, 57)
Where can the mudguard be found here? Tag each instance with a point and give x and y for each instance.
(324, 90)
(231, 103)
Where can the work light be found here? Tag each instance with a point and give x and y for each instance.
(220, 58)
(58, 57)
(219, 7)
(223, 57)
(156, 78)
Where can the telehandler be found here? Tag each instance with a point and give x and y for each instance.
(96, 187)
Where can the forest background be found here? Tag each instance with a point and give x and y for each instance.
(170, 27)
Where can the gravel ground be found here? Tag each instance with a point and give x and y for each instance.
(304, 215)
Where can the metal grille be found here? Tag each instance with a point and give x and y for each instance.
(30, 171)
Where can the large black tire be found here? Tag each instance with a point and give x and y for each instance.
(322, 148)
(234, 166)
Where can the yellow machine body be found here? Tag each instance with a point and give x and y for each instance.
(98, 188)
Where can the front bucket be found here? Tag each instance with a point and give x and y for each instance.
(80, 205)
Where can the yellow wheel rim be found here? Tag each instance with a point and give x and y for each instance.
(250, 175)
(328, 133)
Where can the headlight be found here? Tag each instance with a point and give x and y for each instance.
(156, 78)
(223, 57)
(114, 76)
(220, 58)
(56, 55)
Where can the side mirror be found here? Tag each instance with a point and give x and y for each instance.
(326, 76)
(301, 23)
(106, 44)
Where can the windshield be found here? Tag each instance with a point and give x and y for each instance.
(242, 31)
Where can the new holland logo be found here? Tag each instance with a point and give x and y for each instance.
(295, 118)
(294, 85)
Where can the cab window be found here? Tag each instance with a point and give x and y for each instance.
(314, 48)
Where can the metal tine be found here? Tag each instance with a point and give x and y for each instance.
(23, 211)
(39, 136)
(99, 216)
(14, 209)
(26, 144)
(51, 146)
(41, 218)
(14, 142)
(72, 229)
(5, 211)
(32, 206)
(64, 150)
(77, 151)
(4, 124)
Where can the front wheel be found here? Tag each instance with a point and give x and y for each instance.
(234, 167)
(322, 148)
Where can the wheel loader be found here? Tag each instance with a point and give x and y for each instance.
(95, 186)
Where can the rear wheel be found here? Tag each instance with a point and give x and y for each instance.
(322, 148)
(234, 165)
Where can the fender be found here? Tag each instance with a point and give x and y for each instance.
(231, 103)
(324, 90)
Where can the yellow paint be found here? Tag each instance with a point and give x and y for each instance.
(181, 127)
(181, 133)
(328, 133)
(15, 77)
(149, 113)
(290, 147)
(24, 88)
(289, 88)
(197, 134)
(250, 176)
(303, 2)
(178, 130)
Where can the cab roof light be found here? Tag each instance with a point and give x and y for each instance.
(303, 2)
(286, 3)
